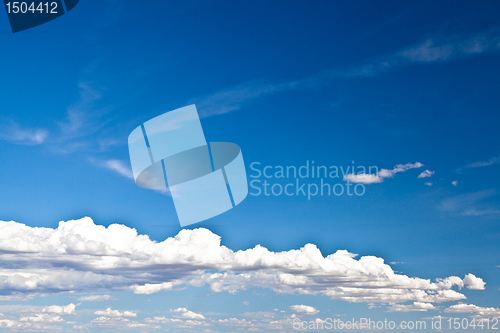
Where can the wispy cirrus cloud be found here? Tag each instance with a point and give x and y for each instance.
(381, 175)
(119, 167)
(80, 256)
(95, 298)
(231, 99)
(17, 134)
(480, 164)
(471, 204)
(77, 132)
(432, 50)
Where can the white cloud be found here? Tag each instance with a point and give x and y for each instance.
(80, 256)
(416, 306)
(231, 99)
(151, 288)
(60, 310)
(186, 314)
(95, 298)
(428, 184)
(23, 136)
(480, 164)
(363, 178)
(471, 308)
(473, 282)
(35, 318)
(471, 204)
(381, 175)
(454, 183)
(119, 167)
(42, 317)
(428, 51)
(115, 313)
(426, 174)
(306, 309)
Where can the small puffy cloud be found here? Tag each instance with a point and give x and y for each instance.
(186, 314)
(306, 309)
(151, 288)
(426, 174)
(454, 183)
(471, 308)
(60, 310)
(42, 317)
(416, 306)
(95, 298)
(428, 184)
(365, 178)
(381, 175)
(473, 282)
(115, 313)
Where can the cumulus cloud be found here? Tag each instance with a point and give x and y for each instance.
(185, 313)
(473, 282)
(60, 310)
(365, 178)
(115, 313)
(428, 184)
(426, 174)
(80, 256)
(42, 317)
(454, 183)
(416, 306)
(381, 175)
(151, 288)
(306, 309)
(471, 308)
(35, 318)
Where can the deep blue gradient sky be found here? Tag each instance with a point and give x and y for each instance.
(377, 83)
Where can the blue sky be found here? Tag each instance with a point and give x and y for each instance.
(392, 85)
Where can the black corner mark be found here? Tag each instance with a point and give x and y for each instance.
(31, 13)
(70, 4)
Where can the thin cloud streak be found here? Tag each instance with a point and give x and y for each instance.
(470, 204)
(119, 167)
(433, 50)
(480, 164)
(17, 134)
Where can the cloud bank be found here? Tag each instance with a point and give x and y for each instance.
(80, 256)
